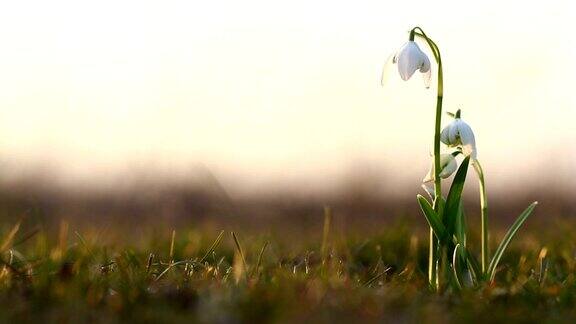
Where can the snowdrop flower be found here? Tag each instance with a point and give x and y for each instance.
(411, 58)
(448, 166)
(458, 133)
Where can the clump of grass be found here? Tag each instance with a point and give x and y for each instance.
(378, 278)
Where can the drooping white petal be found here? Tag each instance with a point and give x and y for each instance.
(448, 168)
(459, 133)
(453, 134)
(425, 66)
(387, 69)
(426, 71)
(444, 135)
(409, 59)
(406, 64)
(429, 176)
(467, 139)
(449, 134)
(429, 188)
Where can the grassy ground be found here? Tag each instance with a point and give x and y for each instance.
(201, 276)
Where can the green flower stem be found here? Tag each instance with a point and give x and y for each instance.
(483, 215)
(433, 268)
(433, 253)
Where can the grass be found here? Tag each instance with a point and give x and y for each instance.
(222, 276)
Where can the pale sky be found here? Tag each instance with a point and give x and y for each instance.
(279, 90)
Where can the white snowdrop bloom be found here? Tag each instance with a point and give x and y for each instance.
(411, 58)
(458, 133)
(448, 166)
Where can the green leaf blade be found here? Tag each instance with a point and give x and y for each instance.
(454, 195)
(461, 226)
(457, 266)
(507, 239)
(433, 219)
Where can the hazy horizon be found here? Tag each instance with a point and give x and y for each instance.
(282, 94)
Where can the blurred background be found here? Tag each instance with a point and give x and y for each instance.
(265, 111)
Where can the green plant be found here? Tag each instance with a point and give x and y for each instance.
(446, 216)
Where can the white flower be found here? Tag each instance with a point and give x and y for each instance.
(411, 58)
(458, 133)
(448, 166)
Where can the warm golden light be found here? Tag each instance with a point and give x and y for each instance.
(282, 91)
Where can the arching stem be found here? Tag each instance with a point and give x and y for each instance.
(434, 253)
(483, 215)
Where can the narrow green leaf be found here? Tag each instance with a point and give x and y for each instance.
(466, 258)
(461, 225)
(506, 240)
(433, 219)
(456, 266)
(442, 234)
(453, 199)
(473, 264)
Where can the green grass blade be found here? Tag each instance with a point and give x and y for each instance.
(26, 236)
(173, 265)
(172, 245)
(326, 232)
(453, 198)
(10, 237)
(255, 270)
(240, 252)
(212, 247)
(507, 239)
(379, 275)
(149, 263)
(433, 219)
